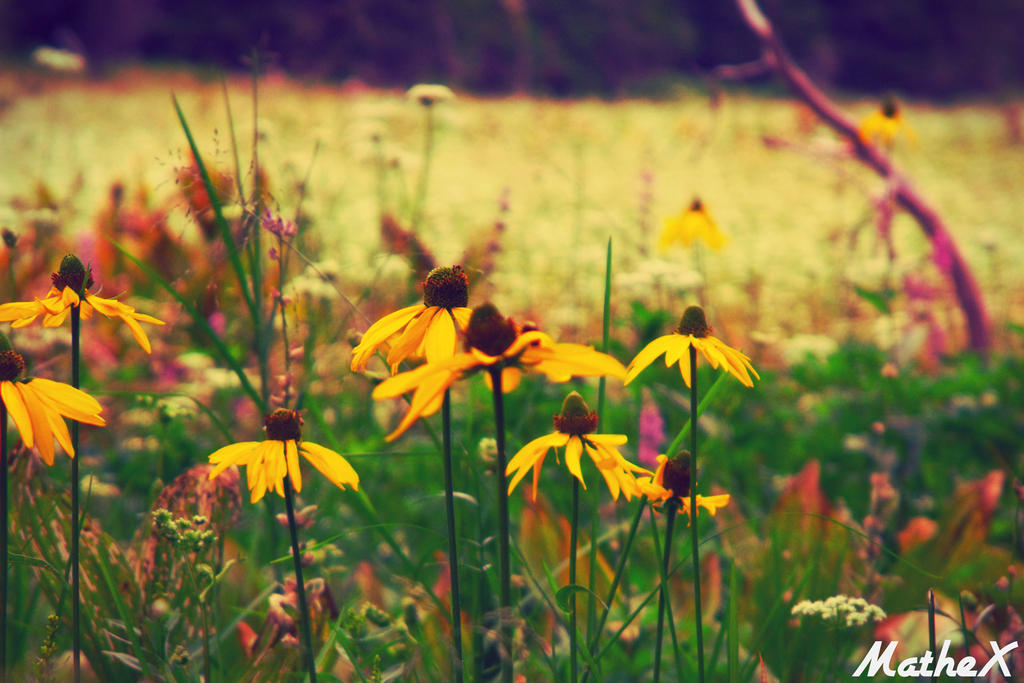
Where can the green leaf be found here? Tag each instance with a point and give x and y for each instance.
(879, 299)
(565, 594)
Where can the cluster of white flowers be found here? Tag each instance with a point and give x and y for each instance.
(840, 609)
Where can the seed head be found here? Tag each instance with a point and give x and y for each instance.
(72, 273)
(694, 322)
(446, 287)
(489, 331)
(676, 475)
(576, 416)
(283, 425)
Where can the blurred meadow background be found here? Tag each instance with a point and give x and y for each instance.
(879, 456)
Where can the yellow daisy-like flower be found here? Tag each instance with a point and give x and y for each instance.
(494, 342)
(691, 224)
(574, 426)
(693, 331)
(267, 462)
(70, 288)
(428, 330)
(39, 406)
(884, 124)
(672, 480)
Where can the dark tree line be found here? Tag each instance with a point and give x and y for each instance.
(936, 48)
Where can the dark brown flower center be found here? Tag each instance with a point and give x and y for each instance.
(694, 322)
(11, 365)
(697, 205)
(489, 331)
(676, 476)
(72, 273)
(446, 287)
(283, 425)
(576, 416)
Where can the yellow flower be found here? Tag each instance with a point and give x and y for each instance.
(428, 330)
(494, 343)
(429, 94)
(884, 124)
(573, 426)
(693, 331)
(39, 406)
(692, 224)
(672, 479)
(267, 462)
(70, 288)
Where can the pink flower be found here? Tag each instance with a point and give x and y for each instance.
(652, 434)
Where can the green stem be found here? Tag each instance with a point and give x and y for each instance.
(663, 593)
(76, 630)
(693, 514)
(504, 618)
(931, 624)
(453, 551)
(307, 633)
(573, 540)
(3, 541)
(421, 185)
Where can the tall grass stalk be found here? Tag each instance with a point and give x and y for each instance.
(300, 586)
(504, 574)
(76, 611)
(695, 554)
(573, 541)
(453, 549)
(670, 518)
(3, 541)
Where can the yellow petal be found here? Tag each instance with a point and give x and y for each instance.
(20, 309)
(439, 343)
(41, 432)
(461, 315)
(18, 412)
(60, 431)
(136, 330)
(409, 342)
(68, 401)
(379, 332)
(647, 356)
(292, 457)
(677, 351)
(332, 465)
(424, 401)
(573, 452)
(234, 454)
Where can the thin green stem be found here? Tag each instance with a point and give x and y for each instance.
(931, 624)
(573, 540)
(453, 550)
(663, 593)
(693, 515)
(3, 541)
(76, 630)
(505, 582)
(428, 150)
(300, 586)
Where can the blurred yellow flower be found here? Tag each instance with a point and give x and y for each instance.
(267, 462)
(574, 426)
(672, 479)
(428, 330)
(494, 342)
(70, 289)
(695, 222)
(884, 124)
(39, 406)
(693, 330)
(429, 94)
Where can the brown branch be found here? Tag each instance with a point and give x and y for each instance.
(952, 265)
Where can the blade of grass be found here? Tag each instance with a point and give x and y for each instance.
(122, 611)
(221, 222)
